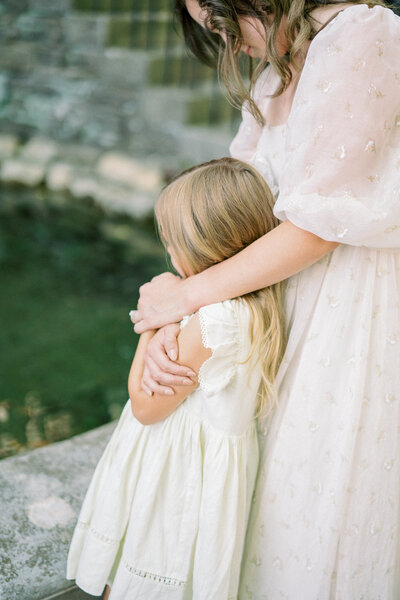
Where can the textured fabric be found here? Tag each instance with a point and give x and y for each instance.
(342, 177)
(325, 524)
(166, 511)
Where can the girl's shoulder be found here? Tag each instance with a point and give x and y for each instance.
(225, 331)
(227, 312)
(222, 322)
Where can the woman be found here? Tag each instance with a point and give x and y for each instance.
(323, 129)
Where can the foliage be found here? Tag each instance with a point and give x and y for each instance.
(69, 275)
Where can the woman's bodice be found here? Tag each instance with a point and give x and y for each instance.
(335, 164)
(268, 157)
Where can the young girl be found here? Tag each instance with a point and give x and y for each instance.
(166, 512)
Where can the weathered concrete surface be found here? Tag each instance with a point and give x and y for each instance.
(40, 497)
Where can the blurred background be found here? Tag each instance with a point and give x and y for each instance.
(100, 105)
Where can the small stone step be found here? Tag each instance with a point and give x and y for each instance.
(123, 169)
(59, 176)
(39, 150)
(8, 145)
(16, 170)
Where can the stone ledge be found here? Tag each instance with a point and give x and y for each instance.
(40, 496)
(72, 593)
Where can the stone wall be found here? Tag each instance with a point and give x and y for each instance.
(40, 495)
(114, 180)
(111, 74)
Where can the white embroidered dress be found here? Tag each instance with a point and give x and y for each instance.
(166, 511)
(325, 524)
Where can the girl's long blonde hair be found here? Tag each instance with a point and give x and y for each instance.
(208, 214)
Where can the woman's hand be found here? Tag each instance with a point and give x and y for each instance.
(159, 370)
(162, 301)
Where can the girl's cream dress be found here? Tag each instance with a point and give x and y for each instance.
(166, 511)
(326, 520)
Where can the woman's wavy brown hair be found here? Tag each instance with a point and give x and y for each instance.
(223, 16)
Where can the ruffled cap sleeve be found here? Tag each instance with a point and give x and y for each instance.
(221, 332)
(342, 163)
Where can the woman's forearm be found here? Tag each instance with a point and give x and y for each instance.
(282, 252)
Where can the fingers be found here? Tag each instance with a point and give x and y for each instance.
(145, 388)
(159, 303)
(145, 325)
(158, 347)
(164, 377)
(171, 333)
(179, 372)
(150, 386)
(148, 318)
(145, 318)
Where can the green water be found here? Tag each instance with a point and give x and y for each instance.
(69, 274)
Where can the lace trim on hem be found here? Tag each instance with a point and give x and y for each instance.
(96, 534)
(172, 581)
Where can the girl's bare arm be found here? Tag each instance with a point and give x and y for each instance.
(279, 254)
(149, 409)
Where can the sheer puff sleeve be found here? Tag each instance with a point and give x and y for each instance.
(342, 159)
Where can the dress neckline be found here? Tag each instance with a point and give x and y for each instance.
(330, 21)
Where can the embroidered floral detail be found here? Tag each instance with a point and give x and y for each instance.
(340, 153)
(165, 580)
(348, 114)
(373, 91)
(358, 64)
(370, 146)
(373, 178)
(379, 45)
(324, 86)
